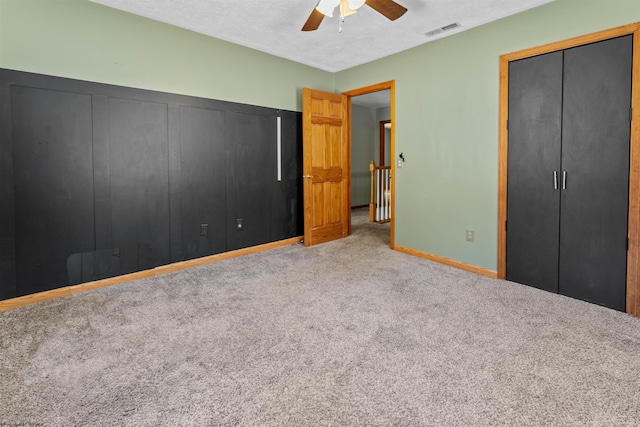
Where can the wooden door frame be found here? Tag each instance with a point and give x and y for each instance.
(391, 86)
(633, 253)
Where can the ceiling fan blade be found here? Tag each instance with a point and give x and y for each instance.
(388, 8)
(313, 22)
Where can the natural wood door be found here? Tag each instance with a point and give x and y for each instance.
(325, 166)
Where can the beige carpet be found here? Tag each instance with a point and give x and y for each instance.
(347, 333)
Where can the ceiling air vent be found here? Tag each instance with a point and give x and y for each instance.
(442, 29)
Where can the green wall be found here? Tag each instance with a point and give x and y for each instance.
(363, 149)
(447, 122)
(88, 41)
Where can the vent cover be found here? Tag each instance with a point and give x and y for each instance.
(442, 29)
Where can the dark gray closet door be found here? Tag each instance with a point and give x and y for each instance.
(53, 177)
(286, 203)
(533, 203)
(203, 181)
(595, 155)
(7, 210)
(251, 177)
(138, 150)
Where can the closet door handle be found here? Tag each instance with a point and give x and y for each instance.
(279, 147)
(564, 180)
(555, 180)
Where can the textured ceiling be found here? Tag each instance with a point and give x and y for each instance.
(273, 26)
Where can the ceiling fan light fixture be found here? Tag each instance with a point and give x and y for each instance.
(345, 9)
(388, 8)
(356, 4)
(326, 7)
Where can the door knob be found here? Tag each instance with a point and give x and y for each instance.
(307, 176)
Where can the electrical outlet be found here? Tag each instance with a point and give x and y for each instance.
(239, 223)
(470, 235)
(204, 230)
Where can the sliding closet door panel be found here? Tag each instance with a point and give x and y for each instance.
(251, 176)
(101, 172)
(7, 269)
(98, 180)
(286, 203)
(535, 103)
(595, 156)
(7, 225)
(203, 171)
(53, 178)
(139, 169)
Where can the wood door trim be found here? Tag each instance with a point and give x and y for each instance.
(347, 127)
(573, 42)
(633, 254)
(370, 89)
(391, 86)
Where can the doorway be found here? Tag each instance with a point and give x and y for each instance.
(371, 138)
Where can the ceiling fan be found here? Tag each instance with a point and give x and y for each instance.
(388, 8)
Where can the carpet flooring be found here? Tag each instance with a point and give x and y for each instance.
(347, 333)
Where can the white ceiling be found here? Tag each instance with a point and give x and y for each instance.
(273, 26)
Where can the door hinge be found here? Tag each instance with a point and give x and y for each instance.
(507, 124)
(506, 226)
(627, 243)
(630, 114)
